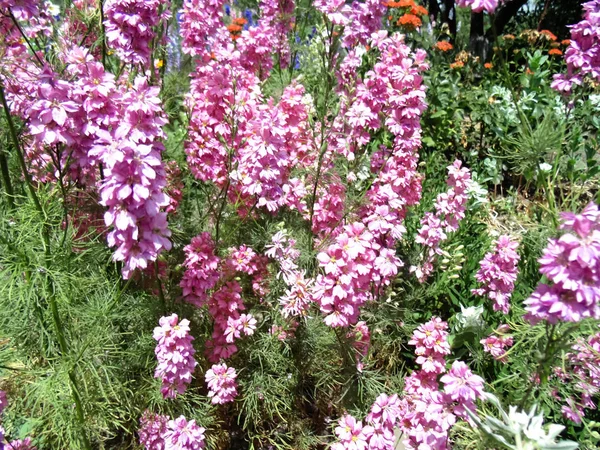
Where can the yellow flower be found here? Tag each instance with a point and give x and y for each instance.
(159, 63)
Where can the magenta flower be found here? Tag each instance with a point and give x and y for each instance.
(478, 6)
(152, 430)
(461, 384)
(182, 434)
(496, 346)
(582, 54)
(222, 387)
(131, 27)
(498, 273)
(202, 269)
(572, 264)
(351, 434)
(175, 355)
(24, 444)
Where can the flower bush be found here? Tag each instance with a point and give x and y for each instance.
(298, 225)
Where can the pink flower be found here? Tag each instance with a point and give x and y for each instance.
(152, 430)
(461, 384)
(175, 355)
(478, 6)
(202, 269)
(221, 383)
(19, 444)
(498, 273)
(130, 27)
(352, 434)
(582, 54)
(182, 434)
(496, 345)
(572, 263)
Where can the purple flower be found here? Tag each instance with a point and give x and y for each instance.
(152, 430)
(498, 273)
(572, 264)
(222, 387)
(184, 435)
(130, 27)
(175, 355)
(461, 384)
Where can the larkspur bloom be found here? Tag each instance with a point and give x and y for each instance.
(21, 444)
(496, 346)
(182, 434)
(498, 273)
(222, 387)
(461, 384)
(202, 269)
(152, 430)
(582, 55)
(572, 264)
(352, 434)
(175, 355)
(450, 209)
(135, 179)
(478, 6)
(130, 27)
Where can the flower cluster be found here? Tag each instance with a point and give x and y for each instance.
(478, 6)
(497, 345)
(152, 430)
(348, 264)
(222, 387)
(21, 444)
(583, 373)
(183, 434)
(572, 264)
(135, 179)
(224, 306)
(175, 355)
(450, 209)
(130, 27)
(583, 55)
(202, 269)
(498, 273)
(296, 300)
(428, 413)
(378, 434)
(201, 19)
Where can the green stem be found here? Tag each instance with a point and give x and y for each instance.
(21, 157)
(101, 7)
(62, 342)
(6, 180)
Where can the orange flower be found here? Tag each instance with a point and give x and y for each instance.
(528, 71)
(566, 42)
(444, 46)
(549, 34)
(406, 3)
(555, 52)
(233, 28)
(418, 10)
(390, 18)
(457, 65)
(488, 65)
(240, 21)
(509, 37)
(409, 21)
